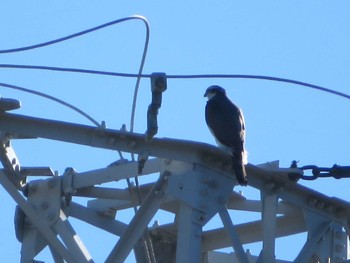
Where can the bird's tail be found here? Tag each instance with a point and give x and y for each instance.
(238, 167)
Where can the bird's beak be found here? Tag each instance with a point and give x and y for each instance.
(205, 94)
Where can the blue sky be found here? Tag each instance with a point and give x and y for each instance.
(302, 40)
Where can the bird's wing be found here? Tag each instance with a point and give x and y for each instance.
(226, 121)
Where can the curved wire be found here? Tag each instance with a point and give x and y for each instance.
(137, 85)
(199, 76)
(139, 75)
(55, 41)
(5, 85)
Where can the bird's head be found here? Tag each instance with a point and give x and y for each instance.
(214, 90)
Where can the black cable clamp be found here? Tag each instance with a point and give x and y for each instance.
(158, 86)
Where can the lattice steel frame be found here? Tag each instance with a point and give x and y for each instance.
(195, 183)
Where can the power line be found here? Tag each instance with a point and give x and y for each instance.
(44, 95)
(62, 39)
(139, 75)
(190, 76)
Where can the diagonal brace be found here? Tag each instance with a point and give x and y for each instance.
(38, 222)
(236, 242)
(71, 239)
(138, 224)
(311, 243)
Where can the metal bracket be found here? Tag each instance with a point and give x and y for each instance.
(44, 196)
(10, 161)
(200, 188)
(158, 86)
(9, 104)
(67, 185)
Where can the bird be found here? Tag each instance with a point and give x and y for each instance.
(226, 122)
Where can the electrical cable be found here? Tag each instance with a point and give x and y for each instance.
(139, 76)
(62, 39)
(55, 41)
(191, 76)
(41, 94)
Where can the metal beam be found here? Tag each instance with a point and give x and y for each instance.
(35, 219)
(181, 150)
(300, 196)
(140, 221)
(188, 151)
(309, 247)
(96, 219)
(269, 216)
(56, 257)
(71, 239)
(189, 235)
(204, 157)
(28, 251)
(114, 173)
(10, 162)
(253, 232)
(232, 233)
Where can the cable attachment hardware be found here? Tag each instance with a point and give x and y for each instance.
(142, 159)
(9, 104)
(158, 86)
(294, 176)
(337, 172)
(67, 187)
